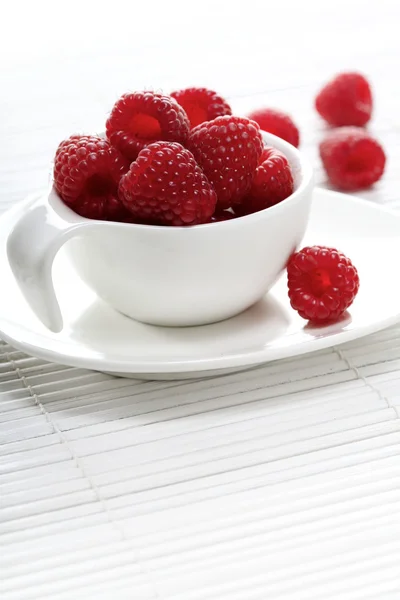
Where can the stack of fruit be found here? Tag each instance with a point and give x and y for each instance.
(176, 160)
(184, 159)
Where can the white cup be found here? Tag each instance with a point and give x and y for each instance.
(172, 276)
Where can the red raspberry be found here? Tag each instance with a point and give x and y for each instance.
(345, 100)
(322, 283)
(165, 186)
(352, 158)
(201, 104)
(87, 170)
(272, 182)
(228, 150)
(142, 118)
(278, 123)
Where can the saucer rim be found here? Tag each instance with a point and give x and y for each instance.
(212, 366)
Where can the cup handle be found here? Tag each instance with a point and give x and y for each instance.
(32, 245)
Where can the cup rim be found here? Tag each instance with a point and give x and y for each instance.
(296, 157)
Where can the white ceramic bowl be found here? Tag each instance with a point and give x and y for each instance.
(163, 275)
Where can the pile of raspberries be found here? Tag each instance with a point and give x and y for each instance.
(184, 159)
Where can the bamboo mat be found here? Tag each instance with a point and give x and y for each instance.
(279, 479)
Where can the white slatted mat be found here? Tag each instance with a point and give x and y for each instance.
(275, 478)
(282, 482)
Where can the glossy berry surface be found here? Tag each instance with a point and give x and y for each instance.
(165, 186)
(87, 171)
(141, 118)
(228, 150)
(322, 283)
(272, 182)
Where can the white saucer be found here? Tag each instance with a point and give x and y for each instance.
(97, 337)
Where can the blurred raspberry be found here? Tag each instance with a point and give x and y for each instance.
(345, 100)
(201, 104)
(352, 158)
(278, 123)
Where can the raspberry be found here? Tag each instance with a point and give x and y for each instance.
(165, 186)
(272, 182)
(352, 158)
(322, 283)
(87, 170)
(278, 123)
(228, 150)
(142, 118)
(345, 100)
(201, 104)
